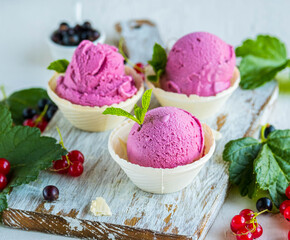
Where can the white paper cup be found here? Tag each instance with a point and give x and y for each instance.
(91, 118)
(201, 107)
(157, 180)
(66, 52)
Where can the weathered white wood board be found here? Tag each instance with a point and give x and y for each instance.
(187, 214)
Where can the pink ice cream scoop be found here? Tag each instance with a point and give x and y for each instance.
(199, 63)
(96, 77)
(169, 137)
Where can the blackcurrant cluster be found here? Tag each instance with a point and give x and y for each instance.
(46, 108)
(72, 36)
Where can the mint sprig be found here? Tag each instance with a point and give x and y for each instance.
(139, 112)
(264, 165)
(262, 59)
(27, 151)
(59, 66)
(158, 62)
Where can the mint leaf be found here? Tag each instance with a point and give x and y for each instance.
(23, 99)
(152, 78)
(28, 153)
(59, 66)
(158, 62)
(140, 115)
(146, 98)
(265, 166)
(120, 112)
(241, 154)
(140, 112)
(262, 59)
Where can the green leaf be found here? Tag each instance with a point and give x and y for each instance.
(158, 62)
(23, 99)
(59, 66)
(3, 199)
(153, 78)
(28, 153)
(120, 112)
(262, 59)
(5, 120)
(146, 98)
(256, 71)
(241, 154)
(265, 166)
(139, 114)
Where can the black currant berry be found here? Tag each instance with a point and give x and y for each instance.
(268, 130)
(50, 112)
(87, 25)
(42, 102)
(74, 40)
(63, 27)
(50, 193)
(28, 113)
(263, 204)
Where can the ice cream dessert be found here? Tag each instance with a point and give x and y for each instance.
(199, 63)
(96, 77)
(169, 137)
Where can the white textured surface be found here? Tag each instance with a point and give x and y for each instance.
(24, 56)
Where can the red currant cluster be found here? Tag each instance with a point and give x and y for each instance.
(285, 206)
(4, 170)
(46, 108)
(245, 225)
(72, 163)
(139, 68)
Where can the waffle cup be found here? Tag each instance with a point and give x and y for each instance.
(201, 107)
(157, 180)
(91, 118)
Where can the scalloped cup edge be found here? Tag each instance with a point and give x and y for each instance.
(178, 169)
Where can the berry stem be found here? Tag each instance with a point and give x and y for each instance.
(2, 89)
(259, 213)
(41, 116)
(263, 139)
(3, 92)
(62, 144)
(126, 58)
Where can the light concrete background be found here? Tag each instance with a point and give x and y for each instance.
(24, 56)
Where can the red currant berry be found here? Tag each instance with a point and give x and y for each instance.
(244, 235)
(4, 166)
(289, 235)
(76, 155)
(248, 214)
(3, 181)
(258, 232)
(287, 214)
(76, 169)
(28, 122)
(287, 192)
(237, 223)
(61, 166)
(283, 206)
(42, 125)
(138, 66)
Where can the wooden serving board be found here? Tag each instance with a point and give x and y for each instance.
(187, 214)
